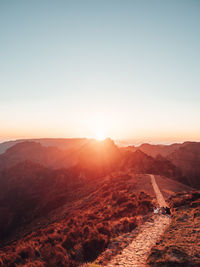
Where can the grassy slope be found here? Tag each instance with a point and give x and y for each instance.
(80, 230)
(115, 207)
(169, 186)
(180, 244)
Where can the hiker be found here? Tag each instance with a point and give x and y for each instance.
(156, 210)
(167, 211)
(163, 210)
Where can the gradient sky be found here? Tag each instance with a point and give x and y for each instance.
(128, 69)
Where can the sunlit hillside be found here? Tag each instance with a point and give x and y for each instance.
(63, 207)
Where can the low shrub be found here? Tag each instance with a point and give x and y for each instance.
(85, 232)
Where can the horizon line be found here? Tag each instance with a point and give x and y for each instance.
(119, 142)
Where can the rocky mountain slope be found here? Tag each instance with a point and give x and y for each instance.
(30, 191)
(181, 161)
(139, 162)
(94, 158)
(61, 143)
(155, 150)
(186, 157)
(51, 157)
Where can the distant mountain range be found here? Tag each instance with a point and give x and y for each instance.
(62, 143)
(181, 161)
(49, 156)
(185, 157)
(90, 157)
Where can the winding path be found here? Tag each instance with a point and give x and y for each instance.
(136, 253)
(159, 196)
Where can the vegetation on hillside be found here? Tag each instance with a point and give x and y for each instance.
(68, 216)
(113, 208)
(180, 244)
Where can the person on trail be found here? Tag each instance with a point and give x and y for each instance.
(167, 211)
(163, 210)
(156, 211)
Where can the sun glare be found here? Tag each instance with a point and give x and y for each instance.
(99, 126)
(100, 136)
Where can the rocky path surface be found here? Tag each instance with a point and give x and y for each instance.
(136, 253)
(159, 196)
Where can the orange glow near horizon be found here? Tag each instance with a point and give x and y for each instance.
(98, 126)
(100, 133)
(128, 83)
(100, 136)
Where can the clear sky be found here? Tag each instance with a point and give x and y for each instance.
(124, 69)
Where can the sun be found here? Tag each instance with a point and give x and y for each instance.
(99, 127)
(99, 135)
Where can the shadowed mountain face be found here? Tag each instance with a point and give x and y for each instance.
(94, 159)
(163, 150)
(140, 162)
(91, 156)
(155, 150)
(186, 157)
(29, 190)
(48, 156)
(61, 143)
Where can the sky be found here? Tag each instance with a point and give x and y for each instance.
(124, 69)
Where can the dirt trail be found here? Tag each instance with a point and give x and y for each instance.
(136, 253)
(159, 196)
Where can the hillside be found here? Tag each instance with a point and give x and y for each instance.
(180, 161)
(140, 162)
(155, 150)
(64, 207)
(186, 158)
(61, 143)
(179, 245)
(114, 206)
(94, 158)
(51, 157)
(30, 191)
(82, 228)
(97, 158)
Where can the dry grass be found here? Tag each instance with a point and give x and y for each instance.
(180, 244)
(112, 209)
